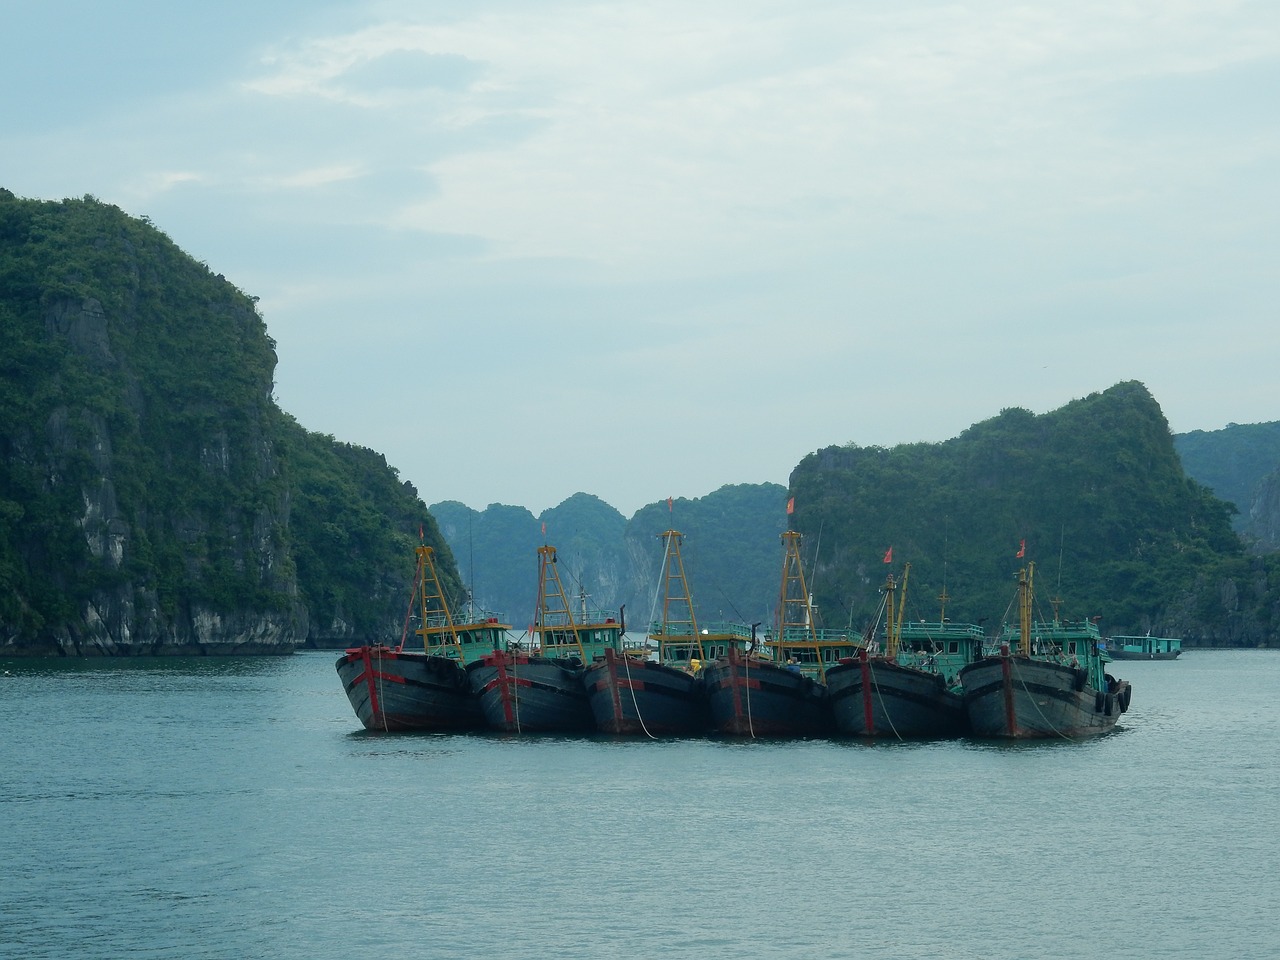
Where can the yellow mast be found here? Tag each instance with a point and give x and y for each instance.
(1024, 609)
(551, 591)
(792, 578)
(894, 623)
(674, 578)
(427, 574)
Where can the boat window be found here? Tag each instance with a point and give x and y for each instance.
(1071, 647)
(953, 646)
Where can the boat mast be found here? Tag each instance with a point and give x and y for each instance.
(675, 597)
(894, 624)
(795, 593)
(430, 589)
(1024, 609)
(554, 613)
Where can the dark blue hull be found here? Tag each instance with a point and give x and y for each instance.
(522, 693)
(631, 696)
(750, 697)
(1023, 698)
(392, 690)
(876, 697)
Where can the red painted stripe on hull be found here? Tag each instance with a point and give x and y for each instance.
(504, 692)
(613, 685)
(868, 715)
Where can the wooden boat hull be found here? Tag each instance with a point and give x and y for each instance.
(877, 697)
(525, 693)
(631, 696)
(749, 697)
(392, 690)
(1021, 698)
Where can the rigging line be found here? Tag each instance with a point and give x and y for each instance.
(717, 585)
(382, 703)
(515, 691)
(408, 614)
(875, 627)
(813, 570)
(659, 585)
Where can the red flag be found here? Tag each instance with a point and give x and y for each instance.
(544, 528)
(1022, 549)
(419, 531)
(791, 506)
(888, 555)
(669, 506)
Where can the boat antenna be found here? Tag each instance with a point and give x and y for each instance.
(1057, 598)
(1062, 539)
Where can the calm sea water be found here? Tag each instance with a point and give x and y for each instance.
(234, 809)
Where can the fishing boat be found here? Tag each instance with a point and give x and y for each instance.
(1144, 648)
(541, 690)
(662, 697)
(1053, 683)
(391, 688)
(912, 689)
(779, 691)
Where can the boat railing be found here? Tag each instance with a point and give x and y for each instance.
(683, 632)
(941, 630)
(798, 636)
(1053, 639)
(560, 620)
(437, 620)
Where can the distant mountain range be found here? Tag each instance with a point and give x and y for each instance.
(1241, 464)
(1099, 488)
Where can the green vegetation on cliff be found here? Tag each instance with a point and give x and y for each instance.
(1095, 490)
(353, 527)
(146, 474)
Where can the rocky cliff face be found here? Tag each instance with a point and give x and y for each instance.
(1262, 529)
(145, 509)
(127, 613)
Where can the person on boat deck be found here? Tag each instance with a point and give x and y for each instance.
(792, 665)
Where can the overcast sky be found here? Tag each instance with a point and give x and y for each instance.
(639, 250)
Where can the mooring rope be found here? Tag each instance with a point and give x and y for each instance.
(1052, 726)
(382, 708)
(880, 696)
(515, 688)
(634, 702)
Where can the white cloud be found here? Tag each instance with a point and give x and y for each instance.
(825, 215)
